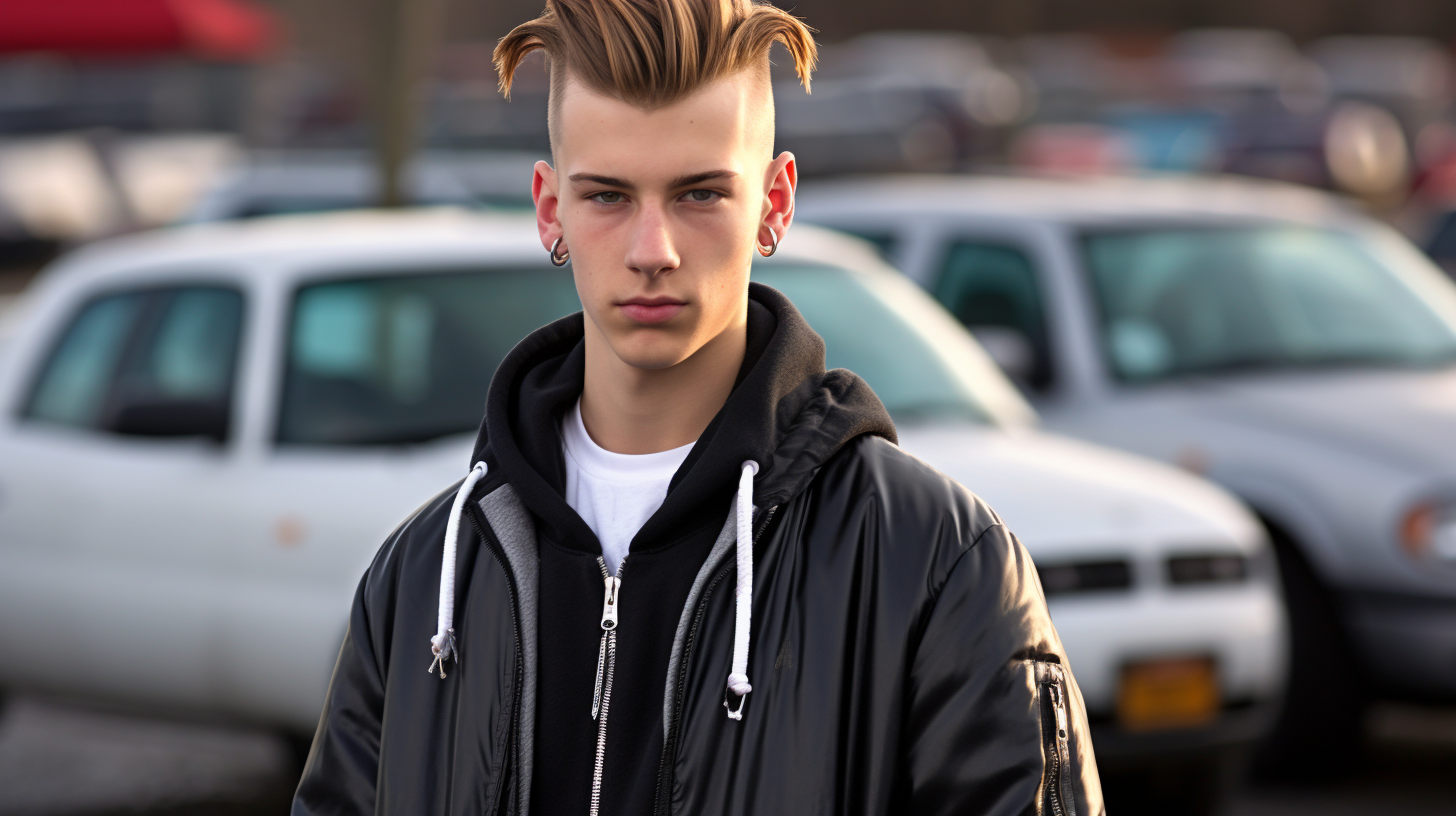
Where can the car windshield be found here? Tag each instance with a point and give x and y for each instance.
(1197, 301)
(397, 359)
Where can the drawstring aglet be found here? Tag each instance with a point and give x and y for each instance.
(442, 643)
(444, 650)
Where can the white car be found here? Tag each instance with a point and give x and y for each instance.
(315, 181)
(206, 433)
(1267, 336)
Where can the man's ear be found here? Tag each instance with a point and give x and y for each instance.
(547, 198)
(778, 207)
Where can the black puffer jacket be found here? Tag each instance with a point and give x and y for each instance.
(901, 658)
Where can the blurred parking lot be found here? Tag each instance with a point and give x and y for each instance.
(60, 759)
(1118, 116)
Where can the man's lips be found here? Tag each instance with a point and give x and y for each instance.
(651, 310)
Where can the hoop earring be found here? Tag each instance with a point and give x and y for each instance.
(559, 260)
(773, 247)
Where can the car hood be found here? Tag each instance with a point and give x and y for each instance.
(1070, 499)
(1401, 418)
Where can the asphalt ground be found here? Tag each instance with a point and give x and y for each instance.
(62, 759)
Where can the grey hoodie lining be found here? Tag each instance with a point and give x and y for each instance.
(515, 530)
(717, 557)
(513, 527)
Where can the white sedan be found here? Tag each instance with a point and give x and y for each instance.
(206, 433)
(1266, 336)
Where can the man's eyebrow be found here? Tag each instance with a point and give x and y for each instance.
(681, 181)
(698, 178)
(605, 181)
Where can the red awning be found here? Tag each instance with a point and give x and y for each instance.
(216, 29)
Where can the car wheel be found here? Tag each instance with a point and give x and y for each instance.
(1319, 731)
(298, 744)
(1198, 786)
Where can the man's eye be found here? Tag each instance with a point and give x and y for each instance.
(607, 198)
(701, 196)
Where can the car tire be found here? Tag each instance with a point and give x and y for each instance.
(1197, 786)
(1319, 731)
(298, 745)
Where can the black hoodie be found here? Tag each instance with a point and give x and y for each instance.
(901, 656)
(782, 372)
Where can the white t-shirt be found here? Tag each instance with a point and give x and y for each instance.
(614, 493)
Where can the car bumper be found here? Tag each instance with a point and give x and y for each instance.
(1238, 726)
(1241, 628)
(1408, 644)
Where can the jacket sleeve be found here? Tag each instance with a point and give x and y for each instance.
(340, 776)
(983, 730)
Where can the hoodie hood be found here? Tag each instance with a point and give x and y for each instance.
(786, 413)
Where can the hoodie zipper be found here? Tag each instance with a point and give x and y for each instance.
(669, 747)
(606, 670)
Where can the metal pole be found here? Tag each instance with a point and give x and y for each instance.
(407, 34)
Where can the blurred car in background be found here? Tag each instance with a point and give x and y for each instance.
(207, 431)
(1264, 335)
(897, 101)
(1440, 243)
(329, 180)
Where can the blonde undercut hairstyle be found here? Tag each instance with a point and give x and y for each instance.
(651, 53)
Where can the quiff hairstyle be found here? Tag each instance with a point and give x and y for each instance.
(651, 53)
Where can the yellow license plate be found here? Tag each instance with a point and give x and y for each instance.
(1171, 693)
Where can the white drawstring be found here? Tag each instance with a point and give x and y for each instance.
(738, 677)
(443, 643)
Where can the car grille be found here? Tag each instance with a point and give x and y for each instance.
(1085, 576)
(1189, 570)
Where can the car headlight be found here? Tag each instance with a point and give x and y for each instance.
(1211, 568)
(1428, 531)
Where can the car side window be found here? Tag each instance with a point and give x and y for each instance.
(71, 389)
(156, 362)
(993, 290)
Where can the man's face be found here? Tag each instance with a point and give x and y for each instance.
(661, 211)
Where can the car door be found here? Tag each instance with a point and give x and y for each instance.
(118, 465)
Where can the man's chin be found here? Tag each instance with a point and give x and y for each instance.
(652, 350)
(654, 359)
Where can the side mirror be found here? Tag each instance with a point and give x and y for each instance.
(1009, 348)
(173, 418)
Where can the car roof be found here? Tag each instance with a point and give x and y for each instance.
(431, 178)
(288, 246)
(279, 252)
(1106, 200)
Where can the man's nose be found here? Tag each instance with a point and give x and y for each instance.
(652, 250)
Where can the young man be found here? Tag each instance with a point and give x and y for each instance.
(690, 572)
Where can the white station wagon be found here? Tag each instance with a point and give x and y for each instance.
(205, 434)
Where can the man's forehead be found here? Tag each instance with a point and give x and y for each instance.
(727, 124)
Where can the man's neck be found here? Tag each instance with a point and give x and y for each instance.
(634, 410)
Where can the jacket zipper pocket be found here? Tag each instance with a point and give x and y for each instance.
(606, 669)
(1056, 798)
